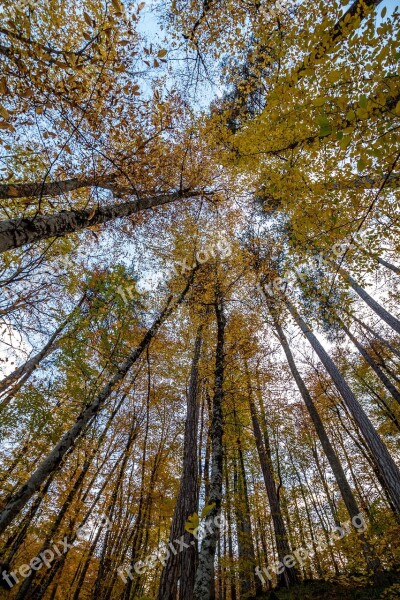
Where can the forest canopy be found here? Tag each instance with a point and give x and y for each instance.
(199, 300)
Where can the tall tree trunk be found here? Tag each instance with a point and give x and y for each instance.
(376, 307)
(55, 457)
(375, 334)
(368, 359)
(15, 233)
(247, 562)
(182, 566)
(204, 583)
(385, 462)
(25, 370)
(380, 401)
(289, 575)
(232, 573)
(40, 189)
(104, 563)
(389, 265)
(347, 494)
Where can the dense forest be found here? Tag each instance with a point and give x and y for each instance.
(199, 299)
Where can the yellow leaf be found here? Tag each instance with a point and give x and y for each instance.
(207, 509)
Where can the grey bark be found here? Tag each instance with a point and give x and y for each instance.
(25, 371)
(384, 460)
(15, 233)
(204, 583)
(376, 307)
(389, 265)
(368, 359)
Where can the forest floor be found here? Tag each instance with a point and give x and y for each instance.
(335, 590)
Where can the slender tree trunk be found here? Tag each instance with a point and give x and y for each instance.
(25, 370)
(15, 233)
(309, 521)
(247, 563)
(289, 575)
(385, 462)
(389, 265)
(206, 473)
(376, 335)
(368, 359)
(204, 584)
(381, 402)
(232, 573)
(376, 307)
(373, 562)
(104, 563)
(68, 440)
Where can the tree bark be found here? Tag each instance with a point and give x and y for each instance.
(385, 462)
(389, 265)
(204, 583)
(26, 370)
(182, 566)
(368, 359)
(247, 561)
(15, 233)
(289, 575)
(376, 307)
(376, 335)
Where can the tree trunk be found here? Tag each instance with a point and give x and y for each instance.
(389, 265)
(15, 233)
(368, 358)
(182, 566)
(39, 189)
(247, 562)
(25, 370)
(69, 438)
(231, 570)
(204, 584)
(376, 335)
(376, 307)
(385, 462)
(289, 575)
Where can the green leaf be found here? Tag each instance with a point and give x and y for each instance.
(363, 101)
(361, 164)
(324, 125)
(319, 101)
(345, 141)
